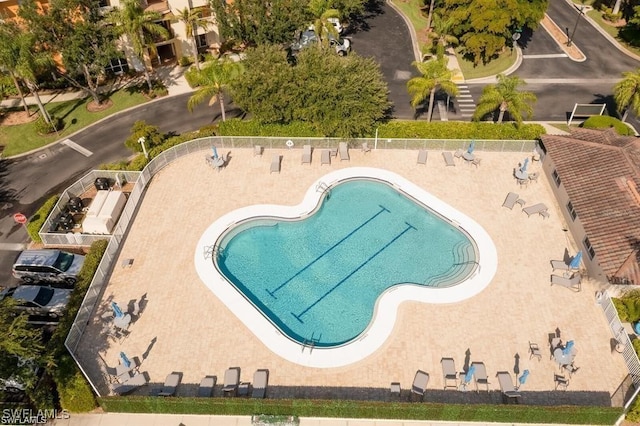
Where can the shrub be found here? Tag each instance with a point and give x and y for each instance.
(44, 128)
(120, 165)
(208, 130)
(191, 76)
(138, 163)
(159, 89)
(185, 61)
(606, 122)
(633, 415)
(236, 127)
(621, 308)
(151, 134)
(37, 220)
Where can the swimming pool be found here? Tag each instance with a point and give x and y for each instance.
(318, 277)
(303, 295)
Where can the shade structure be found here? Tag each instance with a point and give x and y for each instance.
(215, 152)
(522, 379)
(125, 360)
(525, 163)
(472, 146)
(116, 310)
(567, 349)
(575, 262)
(469, 376)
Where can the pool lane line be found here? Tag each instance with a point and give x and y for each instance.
(382, 209)
(393, 240)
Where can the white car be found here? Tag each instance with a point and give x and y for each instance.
(342, 46)
(39, 300)
(336, 24)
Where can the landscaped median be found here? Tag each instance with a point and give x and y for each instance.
(365, 409)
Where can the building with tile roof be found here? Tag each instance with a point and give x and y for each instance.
(595, 176)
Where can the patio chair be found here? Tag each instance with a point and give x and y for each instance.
(131, 384)
(573, 283)
(422, 156)
(275, 163)
(170, 384)
(325, 157)
(476, 161)
(534, 350)
(545, 214)
(449, 372)
(536, 208)
(306, 154)
(533, 177)
(260, 383)
(561, 381)
(257, 151)
(510, 200)
(506, 386)
(458, 153)
(365, 147)
(111, 372)
(420, 382)
(480, 376)
(448, 158)
(570, 368)
(343, 149)
(207, 384)
(231, 381)
(560, 265)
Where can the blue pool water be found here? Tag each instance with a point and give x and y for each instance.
(318, 278)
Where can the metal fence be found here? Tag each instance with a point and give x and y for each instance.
(624, 345)
(141, 179)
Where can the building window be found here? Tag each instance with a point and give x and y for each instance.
(571, 210)
(118, 66)
(202, 40)
(556, 178)
(587, 245)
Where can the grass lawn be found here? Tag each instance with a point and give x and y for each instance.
(22, 138)
(411, 9)
(498, 65)
(596, 15)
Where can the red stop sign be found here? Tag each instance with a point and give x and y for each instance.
(20, 218)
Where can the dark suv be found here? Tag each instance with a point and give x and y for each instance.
(49, 266)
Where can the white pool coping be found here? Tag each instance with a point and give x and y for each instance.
(385, 312)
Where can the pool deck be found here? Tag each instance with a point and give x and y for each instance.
(185, 328)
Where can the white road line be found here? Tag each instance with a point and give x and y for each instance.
(545, 56)
(464, 96)
(71, 144)
(13, 246)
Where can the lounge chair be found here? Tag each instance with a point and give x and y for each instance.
(325, 157)
(275, 163)
(422, 156)
(231, 381)
(536, 208)
(448, 158)
(420, 382)
(365, 147)
(260, 382)
(506, 386)
(534, 350)
(449, 373)
(170, 384)
(561, 265)
(510, 200)
(129, 385)
(257, 150)
(306, 154)
(207, 384)
(572, 283)
(480, 375)
(343, 149)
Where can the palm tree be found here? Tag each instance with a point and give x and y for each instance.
(627, 93)
(192, 20)
(441, 34)
(10, 54)
(212, 81)
(505, 96)
(321, 11)
(435, 75)
(140, 27)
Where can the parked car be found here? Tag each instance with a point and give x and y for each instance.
(308, 37)
(49, 266)
(336, 24)
(39, 300)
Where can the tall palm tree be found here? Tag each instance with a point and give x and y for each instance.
(435, 75)
(441, 34)
(192, 20)
(213, 80)
(140, 27)
(505, 96)
(627, 93)
(10, 54)
(321, 11)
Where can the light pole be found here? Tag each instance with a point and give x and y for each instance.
(575, 27)
(144, 149)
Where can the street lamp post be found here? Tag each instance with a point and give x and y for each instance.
(144, 149)
(575, 27)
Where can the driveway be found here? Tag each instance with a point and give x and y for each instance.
(384, 36)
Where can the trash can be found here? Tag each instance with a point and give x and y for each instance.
(101, 183)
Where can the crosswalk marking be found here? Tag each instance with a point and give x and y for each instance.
(71, 144)
(466, 104)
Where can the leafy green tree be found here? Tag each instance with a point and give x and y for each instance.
(441, 35)
(321, 11)
(75, 30)
(151, 134)
(192, 20)
(10, 54)
(627, 93)
(505, 96)
(213, 81)
(434, 76)
(140, 27)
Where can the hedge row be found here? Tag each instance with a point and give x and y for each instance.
(237, 127)
(365, 409)
(37, 220)
(605, 122)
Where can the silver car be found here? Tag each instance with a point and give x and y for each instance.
(50, 266)
(39, 300)
(307, 38)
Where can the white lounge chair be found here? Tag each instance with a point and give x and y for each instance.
(257, 150)
(506, 386)
(325, 157)
(365, 147)
(306, 154)
(561, 265)
(275, 163)
(510, 200)
(129, 385)
(170, 384)
(480, 375)
(420, 382)
(422, 156)
(231, 381)
(260, 383)
(572, 283)
(449, 373)
(448, 158)
(343, 149)
(536, 208)
(207, 384)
